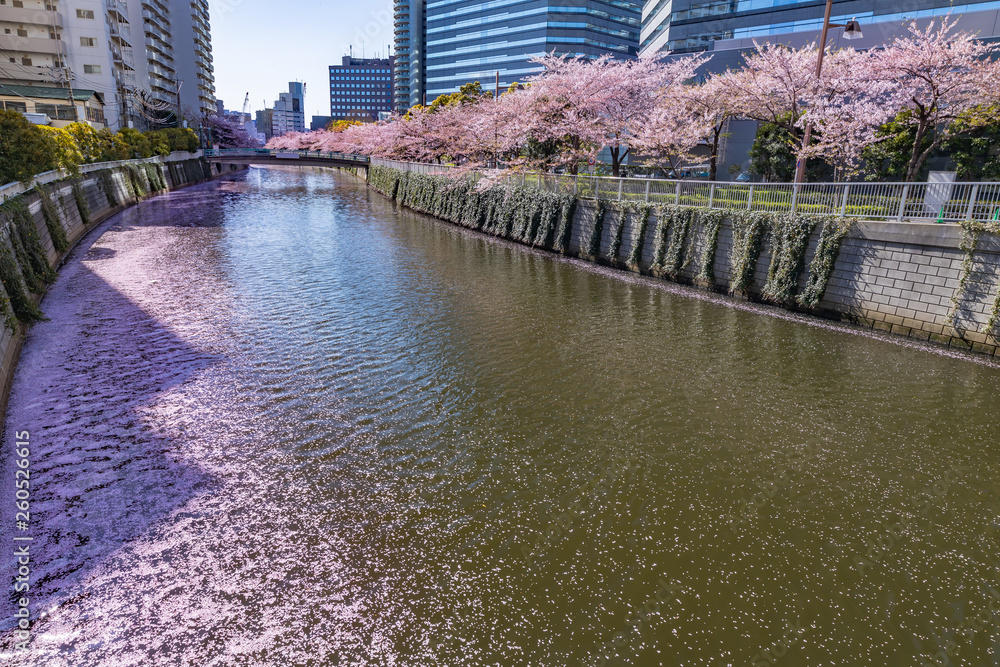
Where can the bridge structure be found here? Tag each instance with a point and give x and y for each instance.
(286, 157)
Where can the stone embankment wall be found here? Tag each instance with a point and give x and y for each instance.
(39, 227)
(925, 281)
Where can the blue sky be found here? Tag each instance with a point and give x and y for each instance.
(260, 45)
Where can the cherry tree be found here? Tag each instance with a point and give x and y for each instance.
(228, 132)
(848, 104)
(678, 120)
(491, 131)
(941, 76)
(710, 107)
(589, 104)
(774, 84)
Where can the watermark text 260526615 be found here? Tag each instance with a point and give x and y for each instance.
(22, 538)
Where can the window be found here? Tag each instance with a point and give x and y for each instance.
(21, 32)
(95, 115)
(85, 13)
(57, 111)
(88, 41)
(25, 60)
(91, 69)
(15, 106)
(18, 3)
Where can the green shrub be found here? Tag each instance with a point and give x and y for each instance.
(25, 150)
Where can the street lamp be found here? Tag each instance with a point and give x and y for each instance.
(852, 30)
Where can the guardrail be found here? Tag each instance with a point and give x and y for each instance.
(13, 189)
(282, 153)
(938, 202)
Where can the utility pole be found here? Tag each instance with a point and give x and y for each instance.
(497, 94)
(852, 31)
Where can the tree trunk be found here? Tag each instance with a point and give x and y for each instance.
(713, 162)
(615, 164)
(917, 157)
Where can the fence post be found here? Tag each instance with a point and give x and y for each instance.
(648, 181)
(750, 197)
(620, 181)
(524, 179)
(843, 203)
(677, 196)
(902, 202)
(972, 201)
(711, 194)
(576, 185)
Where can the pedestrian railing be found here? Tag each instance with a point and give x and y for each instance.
(13, 189)
(283, 153)
(939, 202)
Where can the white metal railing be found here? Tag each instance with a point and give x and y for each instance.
(16, 188)
(939, 202)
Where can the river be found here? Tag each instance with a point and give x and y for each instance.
(278, 420)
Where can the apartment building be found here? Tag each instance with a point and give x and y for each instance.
(149, 60)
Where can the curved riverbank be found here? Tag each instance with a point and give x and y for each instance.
(63, 212)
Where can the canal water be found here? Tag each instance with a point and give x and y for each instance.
(278, 420)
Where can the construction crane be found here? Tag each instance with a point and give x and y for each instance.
(246, 103)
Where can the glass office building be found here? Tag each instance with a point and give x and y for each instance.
(466, 41)
(685, 26)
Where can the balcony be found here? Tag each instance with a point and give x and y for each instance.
(201, 36)
(158, 7)
(159, 59)
(32, 45)
(24, 16)
(152, 19)
(158, 44)
(119, 7)
(163, 94)
(119, 34)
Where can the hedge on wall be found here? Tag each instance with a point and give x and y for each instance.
(749, 228)
(56, 230)
(24, 240)
(618, 229)
(640, 223)
(81, 202)
(594, 245)
(710, 222)
(517, 213)
(827, 249)
(106, 184)
(790, 234)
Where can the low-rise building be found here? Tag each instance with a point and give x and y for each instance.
(53, 107)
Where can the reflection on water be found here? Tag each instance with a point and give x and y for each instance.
(277, 420)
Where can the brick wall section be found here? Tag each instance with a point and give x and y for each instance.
(65, 204)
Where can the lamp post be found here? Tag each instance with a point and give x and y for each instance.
(852, 30)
